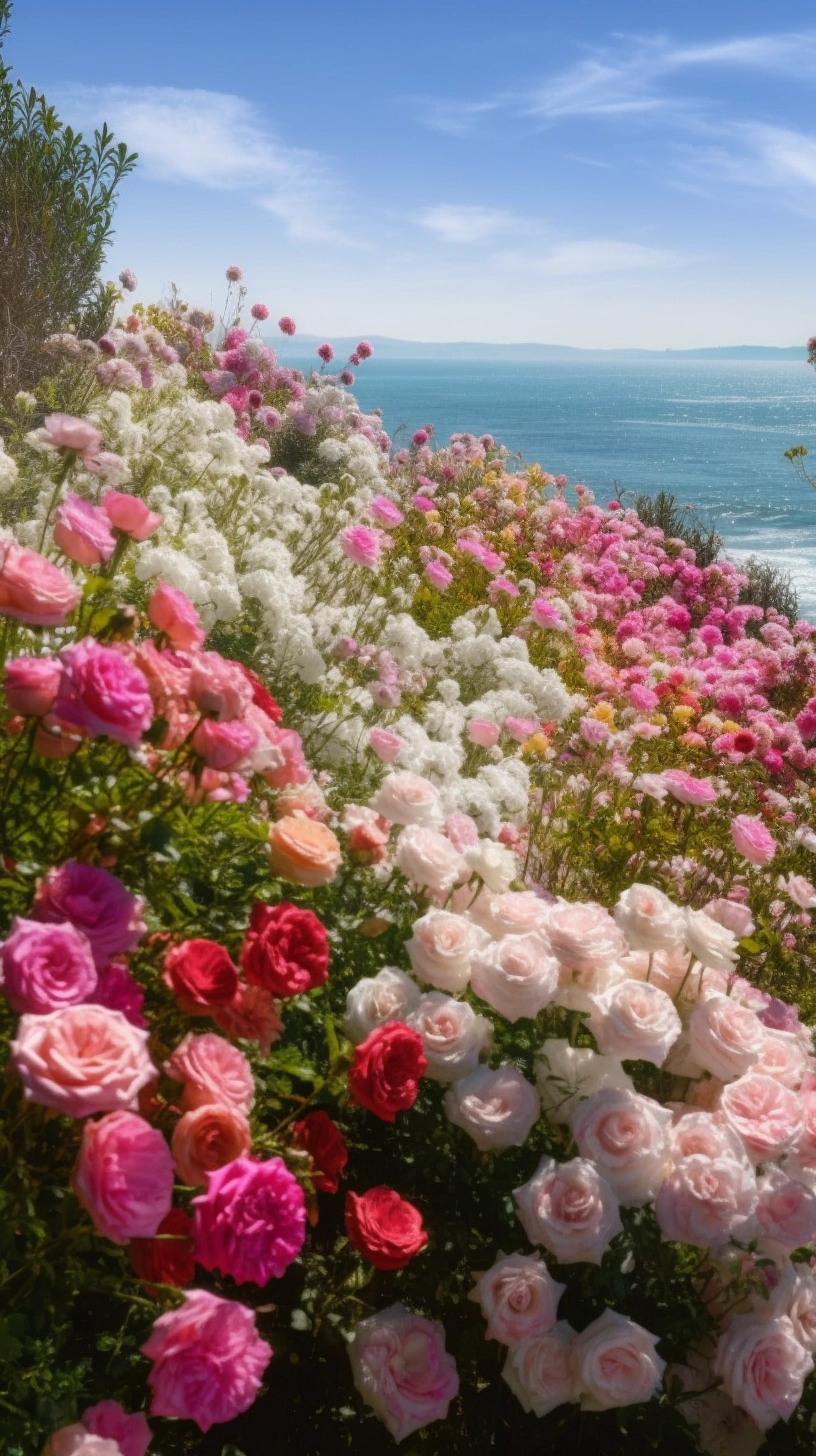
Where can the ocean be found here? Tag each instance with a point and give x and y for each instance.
(712, 432)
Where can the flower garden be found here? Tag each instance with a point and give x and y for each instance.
(407, 978)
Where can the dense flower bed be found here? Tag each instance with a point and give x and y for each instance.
(407, 975)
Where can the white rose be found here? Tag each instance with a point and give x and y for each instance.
(616, 1363)
(540, 1372)
(566, 1074)
(429, 859)
(648, 919)
(517, 976)
(763, 1367)
(795, 1296)
(442, 947)
(783, 1057)
(583, 936)
(725, 1038)
(578, 989)
(635, 1021)
(516, 912)
(625, 1136)
(569, 1209)
(651, 784)
(493, 863)
(709, 942)
(388, 996)
(706, 1200)
(453, 1035)
(496, 1108)
(407, 798)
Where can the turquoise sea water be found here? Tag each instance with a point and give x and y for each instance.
(714, 433)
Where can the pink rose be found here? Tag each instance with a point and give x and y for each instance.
(735, 917)
(212, 1070)
(752, 840)
(648, 918)
(207, 1138)
(46, 967)
(77, 1440)
(34, 590)
(123, 1176)
(251, 1222)
(725, 1038)
(407, 798)
(386, 512)
(453, 1035)
(616, 1363)
(224, 745)
(569, 1209)
(517, 976)
(540, 1371)
(766, 1116)
(688, 790)
(763, 1367)
(402, 1369)
(635, 1021)
(786, 1211)
(483, 733)
(129, 514)
(516, 912)
(386, 745)
(83, 531)
(219, 689)
(518, 1298)
(96, 903)
(362, 545)
(441, 949)
(496, 1108)
(130, 1432)
(102, 693)
(66, 432)
(117, 989)
(172, 613)
(31, 685)
(625, 1136)
(583, 936)
(707, 1199)
(428, 859)
(82, 1059)
(782, 1057)
(208, 1360)
(800, 890)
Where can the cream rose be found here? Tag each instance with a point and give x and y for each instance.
(625, 1137)
(616, 1363)
(706, 1200)
(763, 1367)
(786, 1210)
(518, 1297)
(453, 1035)
(496, 1108)
(583, 936)
(442, 947)
(569, 1209)
(725, 1038)
(516, 912)
(709, 942)
(635, 1021)
(429, 859)
(578, 989)
(566, 1074)
(407, 798)
(517, 976)
(648, 918)
(494, 864)
(388, 996)
(540, 1372)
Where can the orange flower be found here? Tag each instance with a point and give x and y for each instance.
(303, 851)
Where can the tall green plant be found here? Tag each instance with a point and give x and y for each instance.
(57, 197)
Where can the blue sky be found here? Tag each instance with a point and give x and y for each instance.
(580, 173)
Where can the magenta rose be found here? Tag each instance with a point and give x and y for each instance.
(102, 693)
(96, 903)
(108, 1420)
(208, 1360)
(402, 1369)
(251, 1222)
(46, 966)
(117, 989)
(83, 532)
(123, 1176)
(31, 685)
(82, 1059)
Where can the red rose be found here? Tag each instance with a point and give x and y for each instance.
(386, 1229)
(261, 696)
(318, 1136)
(166, 1260)
(286, 949)
(386, 1070)
(201, 974)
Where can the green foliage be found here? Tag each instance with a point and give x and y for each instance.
(679, 523)
(769, 586)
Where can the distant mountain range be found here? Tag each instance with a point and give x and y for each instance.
(304, 345)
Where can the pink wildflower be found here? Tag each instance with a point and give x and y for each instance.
(286, 325)
(259, 311)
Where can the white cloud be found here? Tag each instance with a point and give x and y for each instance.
(588, 257)
(216, 140)
(463, 224)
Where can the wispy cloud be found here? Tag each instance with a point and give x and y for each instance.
(216, 140)
(582, 258)
(775, 159)
(467, 224)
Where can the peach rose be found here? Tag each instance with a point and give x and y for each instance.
(570, 1210)
(518, 1298)
(212, 1070)
(616, 1363)
(303, 851)
(207, 1138)
(763, 1367)
(81, 1060)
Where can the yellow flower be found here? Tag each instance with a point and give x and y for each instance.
(660, 720)
(605, 712)
(730, 727)
(682, 714)
(535, 746)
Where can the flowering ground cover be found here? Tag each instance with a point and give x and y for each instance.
(408, 987)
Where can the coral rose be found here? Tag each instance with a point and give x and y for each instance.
(385, 1073)
(402, 1369)
(130, 514)
(385, 1228)
(303, 851)
(96, 903)
(33, 589)
(123, 1176)
(102, 693)
(31, 685)
(254, 1015)
(212, 1070)
(207, 1138)
(45, 967)
(168, 1258)
(286, 949)
(201, 974)
(518, 1298)
(82, 1059)
(616, 1363)
(83, 532)
(321, 1138)
(251, 1222)
(172, 613)
(208, 1360)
